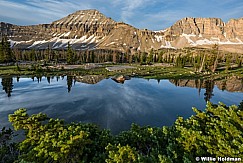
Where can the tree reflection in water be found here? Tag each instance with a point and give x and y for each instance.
(69, 83)
(228, 84)
(7, 84)
(209, 85)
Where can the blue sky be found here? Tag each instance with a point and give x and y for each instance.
(150, 14)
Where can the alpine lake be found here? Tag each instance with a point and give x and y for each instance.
(114, 105)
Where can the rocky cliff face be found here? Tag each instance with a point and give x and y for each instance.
(207, 27)
(90, 29)
(234, 30)
(204, 32)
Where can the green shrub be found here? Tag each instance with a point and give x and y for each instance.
(8, 150)
(215, 132)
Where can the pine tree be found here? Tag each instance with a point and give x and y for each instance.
(142, 57)
(150, 56)
(215, 52)
(160, 59)
(70, 55)
(227, 63)
(1, 53)
(5, 51)
(130, 58)
(92, 57)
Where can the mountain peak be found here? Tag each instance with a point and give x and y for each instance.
(88, 10)
(90, 29)
(91, 16)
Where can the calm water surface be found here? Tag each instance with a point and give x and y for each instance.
(109, 104)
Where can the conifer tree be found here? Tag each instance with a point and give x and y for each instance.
(5, 51)
(150, 56)
(70, 54)
(1, 53)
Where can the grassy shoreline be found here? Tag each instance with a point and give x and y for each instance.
(144, 71)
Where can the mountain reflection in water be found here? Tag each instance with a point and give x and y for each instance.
(111, 105)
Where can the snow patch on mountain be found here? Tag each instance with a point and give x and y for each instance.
(159, 38)
(160, 31)
(188, 37)
(205, 41)
(167, 45)
(58, 42)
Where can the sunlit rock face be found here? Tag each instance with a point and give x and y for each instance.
(90, 29)
(208, 27)
(205, 32)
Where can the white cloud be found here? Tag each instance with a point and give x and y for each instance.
(130, 8)
(38, 11)
(161, 20)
